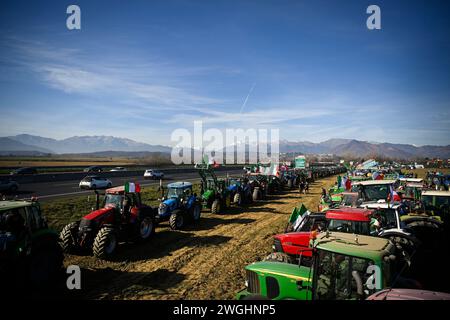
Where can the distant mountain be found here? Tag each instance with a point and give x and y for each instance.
(357, 148)
(25, 144)
(87, 144)
(9, 146)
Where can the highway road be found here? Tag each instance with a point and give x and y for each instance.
(53, 190)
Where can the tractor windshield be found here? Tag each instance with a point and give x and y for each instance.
(114, 200)
(341, 277)
(375, 192)
(356, 227)
(387, 218)
(441, 204)
(174, 193)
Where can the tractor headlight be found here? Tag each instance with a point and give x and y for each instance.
(162, 209)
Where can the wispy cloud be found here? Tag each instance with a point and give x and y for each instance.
(155, 84)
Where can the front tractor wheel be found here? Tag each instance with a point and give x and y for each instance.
(146, 228)
(256, 195)
(176, 221)
(196, 212)
(215, 207)
(237, 198)
(105, 243)
(68, 237)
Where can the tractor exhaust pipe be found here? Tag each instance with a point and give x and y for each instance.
(97, 200)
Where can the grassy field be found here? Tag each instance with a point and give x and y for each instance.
(62, 211)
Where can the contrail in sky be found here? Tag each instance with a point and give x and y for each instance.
(248, 95)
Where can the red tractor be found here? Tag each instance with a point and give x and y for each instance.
(288, 246)
(122, 217)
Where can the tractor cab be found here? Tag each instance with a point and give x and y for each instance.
(179, 205)
(374, 190)
(29, 250)
(122, 201)
(177, 194)
(412, 191)
(436, 202)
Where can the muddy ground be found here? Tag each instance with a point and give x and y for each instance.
(205, 261)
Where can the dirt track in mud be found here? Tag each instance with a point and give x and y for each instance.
(205, 261)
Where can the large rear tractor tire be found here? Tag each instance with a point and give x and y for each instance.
(105, 243)
(216, 207)
(68, 237)
(176, 221)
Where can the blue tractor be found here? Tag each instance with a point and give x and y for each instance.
(179, 206)
(240, 190)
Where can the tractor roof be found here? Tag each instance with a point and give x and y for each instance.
(381, 205)
(179, 185)
(414, 185)
(13, 204)
(374, 182)
(373, 248)
(116, 190)
(436, 193)
(350, 214)
(416, 180)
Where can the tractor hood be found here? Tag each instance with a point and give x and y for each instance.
(294, 243)
(170, 203)
(287, 270)
(100, 213)
(294, 238)
(233, 187)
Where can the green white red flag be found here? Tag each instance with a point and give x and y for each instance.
(132, 187)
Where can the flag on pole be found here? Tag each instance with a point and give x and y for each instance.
(343, 182)
(211, 161)
(131, 187)
(297, 216)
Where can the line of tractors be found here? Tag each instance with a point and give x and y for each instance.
(29, 247)
(369, 239)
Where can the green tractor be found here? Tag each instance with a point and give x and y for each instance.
(30, 253)
(344, 267)
(215, 194)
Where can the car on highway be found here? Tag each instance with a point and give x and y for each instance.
(95, 182)
(153, 174)
(93, 169)
(118, 169)
(24, 171)
(8, 186)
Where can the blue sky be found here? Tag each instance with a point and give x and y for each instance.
(140, 69)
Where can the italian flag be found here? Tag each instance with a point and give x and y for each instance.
(210, 161)
(132, 187)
